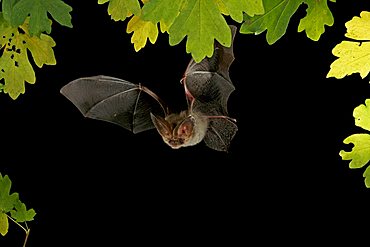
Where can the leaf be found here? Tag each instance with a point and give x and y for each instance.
(143, 30)
(366, 175)
(318, 15)
(360, 153)
(15, 67)
(236, 8)
(7, 200)
(202, 22)
(275, 20)
(120, 9)
(163, 11)
(21, 214)
(353, 57)
(362, 115)
(38, 10)
(7, 7)
(4, 224)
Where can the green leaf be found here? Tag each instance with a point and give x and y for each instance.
(163, 11)
(236, 8)
(15, 67)
(4, 224)
(120, 9)
(353, 56)
(7, 7)
(275, 20)
(360, 153)
(38, 11)
(7, 200)
(21, 214)
(318, 15)
(362, 115)
(202, 22)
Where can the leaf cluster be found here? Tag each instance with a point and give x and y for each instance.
(24, 29)
(203, 21)
(11, 207)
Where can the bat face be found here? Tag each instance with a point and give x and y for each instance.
(181, 130)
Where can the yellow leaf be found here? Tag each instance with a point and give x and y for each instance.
(4, 224)
(15, 67)
(353, 56)
(359, 27)
(41, 49)
(143, 30)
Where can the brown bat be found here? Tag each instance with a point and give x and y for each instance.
(207, 86)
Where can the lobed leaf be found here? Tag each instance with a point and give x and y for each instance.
(15, 67)
(360, 153)
(121, 9)
(362, 115)
(163, 11)
(7, 200)
(318, 15)
(21, 214)
(236, 8)
(202, 22)
(353, 56)
(37, 11)
(275, 19)
(142, 31)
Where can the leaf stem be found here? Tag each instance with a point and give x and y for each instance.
(25, 229)
(26, 238)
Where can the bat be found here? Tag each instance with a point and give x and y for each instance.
(207, 87)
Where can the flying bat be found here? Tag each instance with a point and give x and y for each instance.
(207, 86)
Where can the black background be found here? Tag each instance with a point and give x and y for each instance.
(93, 181)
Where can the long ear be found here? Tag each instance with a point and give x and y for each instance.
(161, 125)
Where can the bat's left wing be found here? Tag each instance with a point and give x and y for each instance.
(115, 100)
(207, 88)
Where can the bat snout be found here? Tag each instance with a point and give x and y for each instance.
(175, 143)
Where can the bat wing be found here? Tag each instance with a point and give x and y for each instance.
(220, 133)
(208, 87)
(115, 100)
(208, 81)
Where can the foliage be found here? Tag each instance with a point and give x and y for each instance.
(353, 55)
(203, 21)
(360, 153)
(23, 24)
(11, 208)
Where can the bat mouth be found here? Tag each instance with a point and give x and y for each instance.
(176, 144)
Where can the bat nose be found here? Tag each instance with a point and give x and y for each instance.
(175, 143)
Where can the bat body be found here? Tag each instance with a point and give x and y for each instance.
(207, 87)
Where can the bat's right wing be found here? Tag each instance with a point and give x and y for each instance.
(208, 82)
(115, 100)
(207, 88)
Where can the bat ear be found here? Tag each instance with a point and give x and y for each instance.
(161, 125)
(186, 127)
